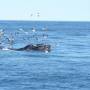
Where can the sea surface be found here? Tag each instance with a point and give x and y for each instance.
(66, 67)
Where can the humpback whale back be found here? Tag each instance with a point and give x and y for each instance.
(37, 47)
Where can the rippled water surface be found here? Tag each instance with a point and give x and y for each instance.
(66, 67)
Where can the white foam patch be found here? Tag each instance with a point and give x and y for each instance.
(46, 51)
(5, 49)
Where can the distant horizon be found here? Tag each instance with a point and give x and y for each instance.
(47, 20)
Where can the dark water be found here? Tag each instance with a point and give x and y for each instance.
(66, 67)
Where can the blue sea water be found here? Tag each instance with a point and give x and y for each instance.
(66, 67)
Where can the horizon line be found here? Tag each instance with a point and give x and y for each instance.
(47, 20)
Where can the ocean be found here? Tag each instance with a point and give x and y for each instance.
(66, 67)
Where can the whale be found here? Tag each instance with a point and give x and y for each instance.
(30, 47)
(36, 47)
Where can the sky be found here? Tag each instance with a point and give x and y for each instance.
(51, 10)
